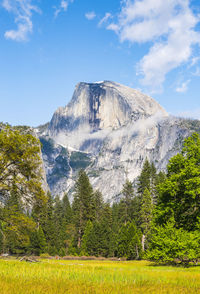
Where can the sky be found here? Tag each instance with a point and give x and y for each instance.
(48, 46)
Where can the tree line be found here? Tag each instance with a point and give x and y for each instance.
(158, 219)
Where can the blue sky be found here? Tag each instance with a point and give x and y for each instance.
(47, 47)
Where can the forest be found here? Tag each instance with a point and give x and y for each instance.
(157, 219)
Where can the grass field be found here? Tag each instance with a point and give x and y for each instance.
(58, 276)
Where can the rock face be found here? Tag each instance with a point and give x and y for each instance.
(108, 129)
(99, 108)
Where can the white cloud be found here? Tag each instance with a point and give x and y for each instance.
(90, 15)
(62, 7)
(195, 60)
(7, 5)
(197, 72)
(22, 11)
(183, 87)
(105, 18)
(168, 27)
(76, 138)
(113, 27)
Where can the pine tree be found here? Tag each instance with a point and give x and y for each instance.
(39, 209)
(41, 241)
(123, 241)
(106, 236)
(128, 193)
(83, 205)
(49, 226)
(87, 246)
(146, 215)
(67, 224)
(129, 244)
(16, 226)
(134, 247)
(98, 205)
(60, 224)
(38, 242)
(149, 179)
(144, 180)
(67, 210)
(153, 183)
(98, 236)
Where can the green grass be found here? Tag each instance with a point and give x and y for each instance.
(52, 277)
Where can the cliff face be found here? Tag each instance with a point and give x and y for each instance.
(97, 109)
(108, 129)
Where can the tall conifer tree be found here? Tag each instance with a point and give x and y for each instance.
(128, 194)
(146, 215)
(83, 204)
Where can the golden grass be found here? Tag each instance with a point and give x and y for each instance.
(88, 277)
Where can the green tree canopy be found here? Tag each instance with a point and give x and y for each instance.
(172, 245)
(180, 191)
(20, 164)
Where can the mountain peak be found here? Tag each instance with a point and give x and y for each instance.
(109, 129)
(104, 106)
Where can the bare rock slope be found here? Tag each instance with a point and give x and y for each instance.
(109, 130)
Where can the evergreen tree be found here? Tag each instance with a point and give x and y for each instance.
(41, 241)
(115, 217)
(128, 194)
(123, 241)
(67, 224)
(88, 240)
(144, 180)
(129, 244)
(149, 179)
(16, 226)
(134, 248)
(39, 209)
(38, 242)
(153, 183)
(106, 236)
(59, 224)
(146, 215)
(67, 210)
(98, 236)
(49, 226)
(160, 178)
(98, 205)
(83, 205)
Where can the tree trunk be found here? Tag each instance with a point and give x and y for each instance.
(79, 238)
(137, 253)
(143, 242)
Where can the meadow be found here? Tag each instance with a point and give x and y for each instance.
(66, 276)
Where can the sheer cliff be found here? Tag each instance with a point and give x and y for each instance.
(109, 130)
